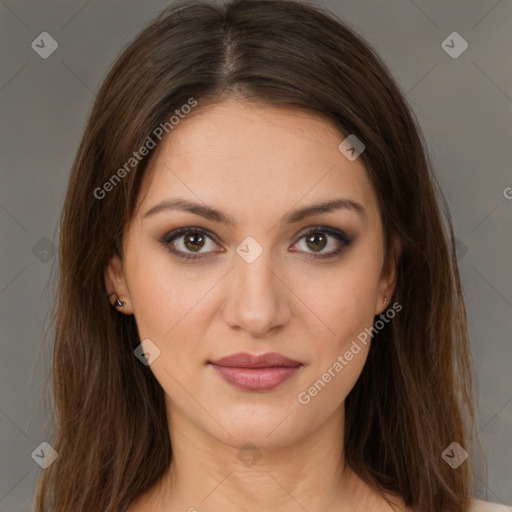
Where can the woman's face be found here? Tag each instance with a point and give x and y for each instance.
(267, 272)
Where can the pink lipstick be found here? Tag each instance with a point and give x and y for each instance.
(256, 373)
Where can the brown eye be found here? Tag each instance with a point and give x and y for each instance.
(316, 241)
(194, 241)
(323, 242)
(189, 243)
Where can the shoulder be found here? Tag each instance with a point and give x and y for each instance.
(485, 506)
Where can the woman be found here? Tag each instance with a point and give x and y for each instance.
(259, 304)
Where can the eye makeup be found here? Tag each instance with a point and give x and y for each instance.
(339, 237)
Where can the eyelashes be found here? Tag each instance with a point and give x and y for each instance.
(341, 241)
(181, 233)
(199, 236)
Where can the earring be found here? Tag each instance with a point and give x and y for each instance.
(385, 300)
(118, 303)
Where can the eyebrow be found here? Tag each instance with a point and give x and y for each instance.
(217, 216)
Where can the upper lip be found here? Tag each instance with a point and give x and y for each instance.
(244, 360)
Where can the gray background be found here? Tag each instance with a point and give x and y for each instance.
(464, 107)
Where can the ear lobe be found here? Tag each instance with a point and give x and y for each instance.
(115, 283)
(389, 276)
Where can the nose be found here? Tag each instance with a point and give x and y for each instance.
(257, 298)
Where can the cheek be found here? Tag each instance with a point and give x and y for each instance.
(345, 299)
(161, 296)
(173, 307)
(346, 308)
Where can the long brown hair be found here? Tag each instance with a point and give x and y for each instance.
(414, 396)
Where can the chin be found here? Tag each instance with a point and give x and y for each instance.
(267, 427)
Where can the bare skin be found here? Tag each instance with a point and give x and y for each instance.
(256, 164)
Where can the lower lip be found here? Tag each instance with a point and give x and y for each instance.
(256, 379)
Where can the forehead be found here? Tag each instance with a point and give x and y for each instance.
(238, 155)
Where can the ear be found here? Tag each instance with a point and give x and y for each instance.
(115, 284)
(388, 277)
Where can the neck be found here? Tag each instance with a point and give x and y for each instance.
(207, 474)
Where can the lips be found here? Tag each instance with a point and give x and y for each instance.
(256, 373)
(243, 360)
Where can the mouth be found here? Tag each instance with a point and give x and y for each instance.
(256, 373)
